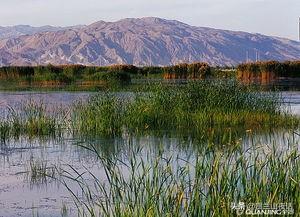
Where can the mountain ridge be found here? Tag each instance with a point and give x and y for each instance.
(142, 41)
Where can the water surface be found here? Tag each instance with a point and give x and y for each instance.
(22, 196)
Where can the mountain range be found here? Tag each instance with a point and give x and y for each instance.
(138, 41)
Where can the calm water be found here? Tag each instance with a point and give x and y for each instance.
(22, 196)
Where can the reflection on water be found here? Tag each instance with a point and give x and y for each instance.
(292, 99)
(19, 195)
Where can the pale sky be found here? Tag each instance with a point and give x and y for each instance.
(270, 17)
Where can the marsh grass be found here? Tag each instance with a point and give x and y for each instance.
(32, 119)
(197, 106)
(100, 115)
(204, 185)
(202, 107)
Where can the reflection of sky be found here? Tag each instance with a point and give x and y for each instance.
(51, 100)
(292, 99)
(17, 195)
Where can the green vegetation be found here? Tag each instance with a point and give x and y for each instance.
(203, 107)
(32, 119)
(88, 77)
(218, 113)
(100, 115)
(204, 185)
(206, 108)
(80, 77)
(197, 106)
(68, 75)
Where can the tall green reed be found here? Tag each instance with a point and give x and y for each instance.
(204, 185)
(101, 115)
(197, 106)
(33, 119)
(201, 107)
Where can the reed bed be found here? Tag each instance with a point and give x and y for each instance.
(32, 119)
(204, 185)
(101, 114)
(196, 106)
(168, 185)
(199, 107)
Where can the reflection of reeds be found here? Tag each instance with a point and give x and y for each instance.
(205, 185)
(39, 173)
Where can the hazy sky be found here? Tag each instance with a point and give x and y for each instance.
(271, 17)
